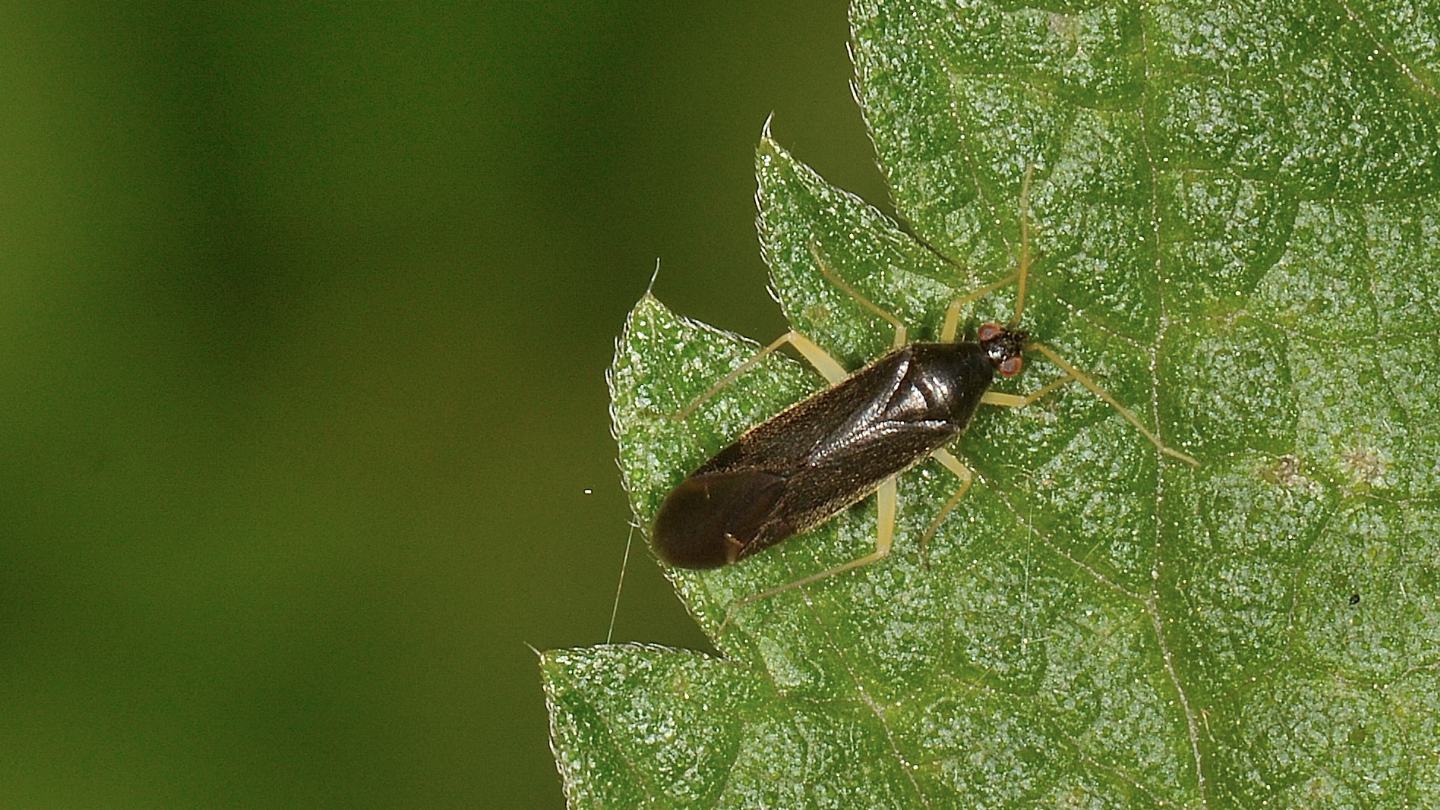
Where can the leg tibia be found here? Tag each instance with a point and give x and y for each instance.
(1017, 401)
(966, 477)
(951, 326)
(828, 367)
(886, 500)
(830, 275)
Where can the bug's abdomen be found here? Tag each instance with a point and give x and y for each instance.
(711, 518)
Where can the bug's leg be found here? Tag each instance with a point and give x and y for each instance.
(1017, 401)
(901, 334)
(886, 501)
(1085, 380)
(966, 477)
(952, 312)
(828, 367)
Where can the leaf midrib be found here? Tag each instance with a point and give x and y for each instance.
(1155, 605)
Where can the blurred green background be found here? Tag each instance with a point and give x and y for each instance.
(304, 318)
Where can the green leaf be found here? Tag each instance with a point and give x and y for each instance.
(1236, 227)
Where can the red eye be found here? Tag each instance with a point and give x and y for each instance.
(989, 331)
(1010, 366)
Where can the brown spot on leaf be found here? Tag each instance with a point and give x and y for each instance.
(1285, 471)
(1364, 465)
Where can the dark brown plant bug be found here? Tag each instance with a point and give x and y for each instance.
(837, 446)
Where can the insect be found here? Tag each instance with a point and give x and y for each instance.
(832, 449)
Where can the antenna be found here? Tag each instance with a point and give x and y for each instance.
(1024, 271)
(615, 608)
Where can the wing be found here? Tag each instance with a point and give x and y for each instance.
(801, 466)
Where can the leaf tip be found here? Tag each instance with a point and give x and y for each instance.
(648, 305)
(650, 288)
(768, 147)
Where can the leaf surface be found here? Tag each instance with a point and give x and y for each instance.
(1236, 231)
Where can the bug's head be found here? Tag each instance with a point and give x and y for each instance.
(1004, 347)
